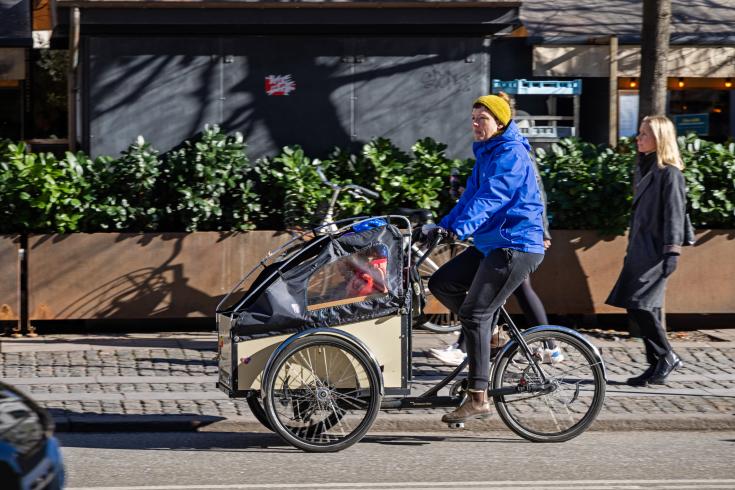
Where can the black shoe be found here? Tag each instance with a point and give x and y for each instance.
(642, 379)
(665, 366)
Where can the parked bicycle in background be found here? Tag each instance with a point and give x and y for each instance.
(436, 317)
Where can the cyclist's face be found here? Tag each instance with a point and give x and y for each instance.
(484, 124)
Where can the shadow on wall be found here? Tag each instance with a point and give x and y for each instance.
(148, 292)
(326, 116)
(317, 93)
(578, 271)
(709, 235)
(110, 275)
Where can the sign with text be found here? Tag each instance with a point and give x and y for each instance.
(692, 123)
(627, 113)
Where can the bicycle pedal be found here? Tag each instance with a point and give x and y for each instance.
(456, 425)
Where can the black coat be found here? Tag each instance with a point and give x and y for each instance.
(656, 229)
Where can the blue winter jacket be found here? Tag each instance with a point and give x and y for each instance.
(501, 206)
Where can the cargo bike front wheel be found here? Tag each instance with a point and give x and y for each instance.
(322, 393)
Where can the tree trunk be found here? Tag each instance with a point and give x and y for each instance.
(654, 53)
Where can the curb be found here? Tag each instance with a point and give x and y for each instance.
(391, 422)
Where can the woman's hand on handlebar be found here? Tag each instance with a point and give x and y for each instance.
(431, 232)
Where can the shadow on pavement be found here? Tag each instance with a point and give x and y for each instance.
(416, 440)
(70, 421)
(179, 441)
(241, 441)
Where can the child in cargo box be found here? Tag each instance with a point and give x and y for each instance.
(366, 273)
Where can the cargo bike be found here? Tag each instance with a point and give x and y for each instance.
(317, 339)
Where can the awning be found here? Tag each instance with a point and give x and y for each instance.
(15, 23)
(594, 61)
(575, 22)
(483, 17)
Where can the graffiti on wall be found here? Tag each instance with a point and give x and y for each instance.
(436, 78)
(279, 84)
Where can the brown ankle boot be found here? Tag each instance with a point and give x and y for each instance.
(475, 405)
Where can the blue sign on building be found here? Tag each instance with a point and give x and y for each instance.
(692, 123)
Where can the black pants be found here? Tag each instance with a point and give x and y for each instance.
(652, 332)
(474, 287)
(531, 305)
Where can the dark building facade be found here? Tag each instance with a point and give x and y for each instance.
(323, 74)
(319, 75)
(15, 41)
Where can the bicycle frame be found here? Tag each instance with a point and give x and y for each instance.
(430, 398)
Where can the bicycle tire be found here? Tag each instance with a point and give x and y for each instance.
(439, 322)
(323, 394)
(576, 374)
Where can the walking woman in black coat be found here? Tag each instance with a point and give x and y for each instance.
(654, 243)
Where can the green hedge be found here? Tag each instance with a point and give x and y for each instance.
(206, 184)
(589, 187)
(209, 183)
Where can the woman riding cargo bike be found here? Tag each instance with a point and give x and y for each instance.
(320, 340)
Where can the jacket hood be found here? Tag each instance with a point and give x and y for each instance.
(510, 135)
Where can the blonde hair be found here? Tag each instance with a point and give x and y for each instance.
(667, 149)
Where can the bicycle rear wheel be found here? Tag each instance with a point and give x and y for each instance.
(442, 321)
(575, 395)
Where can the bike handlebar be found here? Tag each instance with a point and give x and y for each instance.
(441, 234)
(363, 190)
(323, 177)
(354, 187)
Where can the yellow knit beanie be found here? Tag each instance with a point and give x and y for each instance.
(497, 105)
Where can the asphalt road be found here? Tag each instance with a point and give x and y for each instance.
(228, 460)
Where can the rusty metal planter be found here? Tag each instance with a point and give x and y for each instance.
(183, 275)
(9, 278)
(138, 275)
(581, 268)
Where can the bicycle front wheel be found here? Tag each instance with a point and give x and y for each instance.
(574, 392)
(324, 394)
(438, 318)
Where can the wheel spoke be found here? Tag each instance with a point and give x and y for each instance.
(558, 414)
(357, 403)
(346, 372)
(326, 394)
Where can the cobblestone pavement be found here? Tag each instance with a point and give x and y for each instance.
(82, 378)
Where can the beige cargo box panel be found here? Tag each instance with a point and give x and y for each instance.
(382, 337)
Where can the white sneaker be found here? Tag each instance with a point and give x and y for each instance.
(553, 356)
(520, 357)
(449, 348)
(545, 356)
(451, 355)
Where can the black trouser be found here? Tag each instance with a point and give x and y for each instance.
(652, 332)
(531, 306)
(474, 287)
